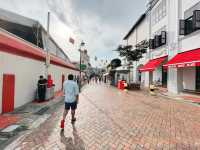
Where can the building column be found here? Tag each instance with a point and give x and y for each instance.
(175, 77)
(146, 84)
(175, 80)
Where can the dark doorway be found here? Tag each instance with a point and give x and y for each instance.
(164, 77)
(139, 76)
(198, 78)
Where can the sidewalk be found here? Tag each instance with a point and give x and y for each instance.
(26, 118)
(184, 97)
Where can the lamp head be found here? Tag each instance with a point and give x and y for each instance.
(82, 43)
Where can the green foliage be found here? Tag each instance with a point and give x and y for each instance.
(133, 54)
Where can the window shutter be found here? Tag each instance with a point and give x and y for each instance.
(151, 43)
(196, 19)
(160, 40)
(188, 27)
(157, 41)
(182, 27)
(163, 37)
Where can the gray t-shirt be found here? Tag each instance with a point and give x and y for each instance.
(71, 90)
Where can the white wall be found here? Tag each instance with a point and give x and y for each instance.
(190, 42)
(189, 76)
(132, 39)
(27, 72)
(56, 74)
(186, 4)
(143, 31)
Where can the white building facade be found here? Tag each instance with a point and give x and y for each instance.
(184, 68)
(138, 34)
(173, 34)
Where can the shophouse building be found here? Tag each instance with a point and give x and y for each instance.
(183, 66)
(138, 34)
(173, 34)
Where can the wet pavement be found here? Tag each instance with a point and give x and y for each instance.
(110, 119)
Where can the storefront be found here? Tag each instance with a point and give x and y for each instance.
(157, 74)
(188, 64)
(122, 73)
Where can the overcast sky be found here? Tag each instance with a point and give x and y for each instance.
(100, 23)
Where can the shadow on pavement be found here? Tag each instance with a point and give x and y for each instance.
(75, 143)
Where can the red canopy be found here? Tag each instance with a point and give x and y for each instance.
(185, 59)
(152, 64)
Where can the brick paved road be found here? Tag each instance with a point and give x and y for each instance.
(108, 119)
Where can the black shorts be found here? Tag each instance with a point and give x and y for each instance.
(72, 106)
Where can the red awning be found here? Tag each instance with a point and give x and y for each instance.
(185, 59)
(152, 64)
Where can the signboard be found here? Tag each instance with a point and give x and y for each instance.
(83, 67)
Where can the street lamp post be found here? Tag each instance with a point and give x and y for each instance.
(47, 49)
(81, 45)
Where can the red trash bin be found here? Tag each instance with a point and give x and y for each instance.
(49, 81)
(122, 85)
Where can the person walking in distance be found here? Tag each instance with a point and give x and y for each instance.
(71, 96)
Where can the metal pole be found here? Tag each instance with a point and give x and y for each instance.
(38, 34)
(80, 71)
(47, 50)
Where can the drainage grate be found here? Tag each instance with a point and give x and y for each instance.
(7, 135)
(42, 111)
(3, 140)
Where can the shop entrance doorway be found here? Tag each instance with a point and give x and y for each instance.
(198, 79)
(164, 77)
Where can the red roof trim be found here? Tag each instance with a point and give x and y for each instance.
(16, 46)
